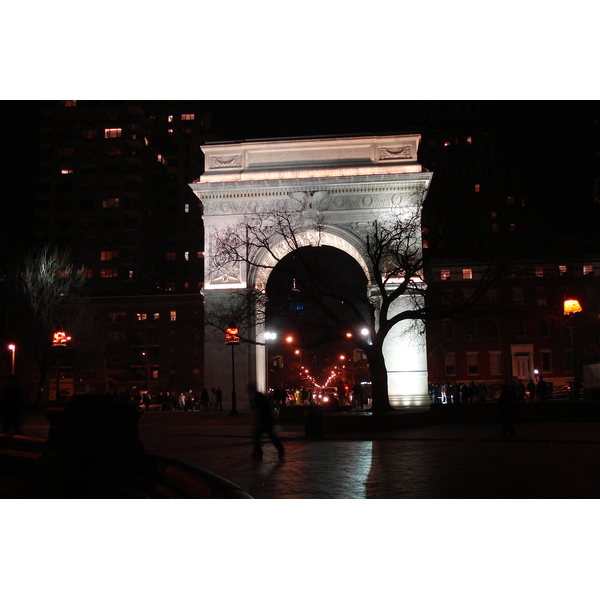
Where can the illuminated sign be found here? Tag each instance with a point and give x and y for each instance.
(232, 334)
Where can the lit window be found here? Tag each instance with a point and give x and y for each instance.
(467, 273)
(108, 255)
(469, 140)
(156, 316)
(510, 200)
(110, 203)
(425, 244)
(513, 226)
(187, 117)
(445, 274)
(446, 144)
(89, 273)
(68, 102)
(173, 315)
(161, 159)
(186, 208)
(186, 286)
(108, 273)
(200, 255)
(130, 274)
(66, 171)
(141, 316)
(186, 256)
(562, 269)
(588, 269)
(494, 215)
(170, 287)
(170, 131)
(539, 271)
(89, 134)
(170, 119)
(171, 255)
(477, 187)
(114, 132)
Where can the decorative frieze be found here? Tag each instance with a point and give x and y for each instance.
(395, 153)
(225, 162)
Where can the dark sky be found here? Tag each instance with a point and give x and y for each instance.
(558, 138)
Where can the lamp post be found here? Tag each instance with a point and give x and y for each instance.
(269, 336)
(12, 348)
(232, 339)
(59, 340)
(570, 307)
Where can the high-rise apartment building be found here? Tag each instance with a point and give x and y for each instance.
(112, 186)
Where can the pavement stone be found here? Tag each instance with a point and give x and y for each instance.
(441, 461)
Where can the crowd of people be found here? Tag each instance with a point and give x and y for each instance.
(479, 392)
(187, 401)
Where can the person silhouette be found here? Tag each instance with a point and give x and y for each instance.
(264, 423)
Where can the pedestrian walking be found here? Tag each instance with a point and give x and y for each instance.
(520, 391)
(219, 399)
(204, 399)
(189, 401)
(531, 390)
(264, 423)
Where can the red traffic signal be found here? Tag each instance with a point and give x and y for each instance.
(232, 334)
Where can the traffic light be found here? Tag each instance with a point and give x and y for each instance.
(232, 334)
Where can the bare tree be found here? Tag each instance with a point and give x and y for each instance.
(48, 297)
(391, 248)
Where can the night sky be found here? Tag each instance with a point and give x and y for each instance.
(559, 140)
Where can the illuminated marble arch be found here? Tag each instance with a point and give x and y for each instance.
(343, 183)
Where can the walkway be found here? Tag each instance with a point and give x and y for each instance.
(545, 460)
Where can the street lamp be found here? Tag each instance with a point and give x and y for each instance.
(59, 340)
(570, 307)
(12, 348)
(269, 337)
(232, 338)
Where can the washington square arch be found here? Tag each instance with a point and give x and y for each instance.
(336, 187)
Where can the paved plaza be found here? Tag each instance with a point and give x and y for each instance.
(464, 460)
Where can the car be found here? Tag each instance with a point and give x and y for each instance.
(323, 396)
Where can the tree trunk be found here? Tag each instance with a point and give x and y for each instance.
(379, 382)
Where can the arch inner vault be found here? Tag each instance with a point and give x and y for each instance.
(344, 184)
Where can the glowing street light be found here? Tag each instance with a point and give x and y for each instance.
(571, 306)
(12, 348)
